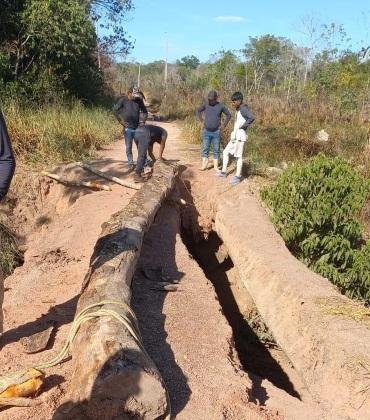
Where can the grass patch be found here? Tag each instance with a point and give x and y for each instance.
(54, 134)
(336, 306)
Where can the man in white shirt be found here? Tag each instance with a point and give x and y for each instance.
(243, 119)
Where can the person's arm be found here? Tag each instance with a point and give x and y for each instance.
(227, 116)
(150, 153)
(7, 159)
(119, 104)
(162, 146)
(200, 110)
(248, 115)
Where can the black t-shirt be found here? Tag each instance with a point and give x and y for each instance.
(156, 133)
(151, 133)
(128, 111)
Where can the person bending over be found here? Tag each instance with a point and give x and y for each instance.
(145, 137)
(243, 119)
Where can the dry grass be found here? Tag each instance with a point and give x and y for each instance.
(351, 310)
(55, 134)
(284, 131)
(48, 135)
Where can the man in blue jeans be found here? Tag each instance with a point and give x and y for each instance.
(145, 137)
(213, 111)
(127, 111)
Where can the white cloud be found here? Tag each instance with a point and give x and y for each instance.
(229, 19)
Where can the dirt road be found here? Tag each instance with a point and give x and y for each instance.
(185, 332)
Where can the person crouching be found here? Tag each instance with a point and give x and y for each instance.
(145, 137)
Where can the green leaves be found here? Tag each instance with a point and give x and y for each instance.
(315, 208)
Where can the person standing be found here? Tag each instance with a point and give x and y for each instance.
(243, 119)
(127, 111)
(145, 137)
(213, 111)
(7, 168)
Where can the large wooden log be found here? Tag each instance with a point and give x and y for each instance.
(325, 335)
(113, 377)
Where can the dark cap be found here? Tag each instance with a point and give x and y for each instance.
(212, 95)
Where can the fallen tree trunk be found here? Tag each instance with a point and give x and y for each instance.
(113, 377)
(325, 335)
(87, 184)
(109, 177)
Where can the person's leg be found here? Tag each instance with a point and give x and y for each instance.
(239, 167)
(239, 164)
(216, 149)
(205, 150)
(129, 137)
(207, 138)
(143, 139)
(225, 160)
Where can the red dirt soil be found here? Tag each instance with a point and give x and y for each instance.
(185, 332)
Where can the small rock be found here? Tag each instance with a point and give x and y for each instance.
(37, 342)
(221, 254)
(322, 136)
(283, 165)
(273, 171)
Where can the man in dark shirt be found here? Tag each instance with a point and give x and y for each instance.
(7, 167)
(127, 111)
(213, 111)
(145, 137)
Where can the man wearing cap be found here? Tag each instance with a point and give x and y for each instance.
(213, 111)
(127, 111)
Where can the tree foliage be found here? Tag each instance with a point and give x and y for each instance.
(189, 61)
(49, 48)
(315, 209)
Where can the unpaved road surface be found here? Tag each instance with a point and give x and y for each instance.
(185, 332)
(44, 291)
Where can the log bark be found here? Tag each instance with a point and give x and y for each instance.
(112, 376)
(319, 330)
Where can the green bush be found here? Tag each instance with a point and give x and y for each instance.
(315, 209)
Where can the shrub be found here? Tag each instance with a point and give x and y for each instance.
(316, 210)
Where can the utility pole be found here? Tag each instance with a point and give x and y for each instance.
(166, 62)
(139, 76)
(97, 41)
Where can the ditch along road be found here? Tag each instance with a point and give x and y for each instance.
(212, 361)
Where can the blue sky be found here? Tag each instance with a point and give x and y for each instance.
(203, 27)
